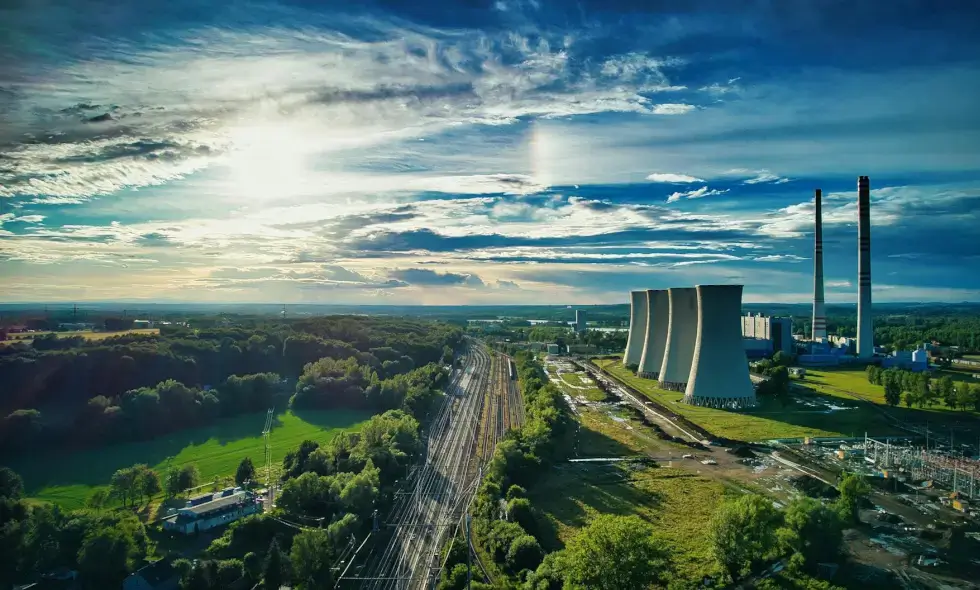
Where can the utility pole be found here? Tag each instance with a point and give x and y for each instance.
(469, 554)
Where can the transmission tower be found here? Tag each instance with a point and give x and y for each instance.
(267, 439)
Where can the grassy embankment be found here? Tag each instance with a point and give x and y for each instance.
(676, 502)
(69, 478)
(771, 419)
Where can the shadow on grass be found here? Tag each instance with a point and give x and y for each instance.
(80, 469)
(571, 492)
(590, 443)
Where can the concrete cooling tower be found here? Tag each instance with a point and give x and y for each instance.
(638, 325)
(719, 372)
(682, 332)
(655, 335)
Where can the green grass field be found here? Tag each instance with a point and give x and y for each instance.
(676, 502)
(838, 382)
(68, 479)
(87, 334)
(769, 420)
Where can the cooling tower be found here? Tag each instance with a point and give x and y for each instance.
(818, 332)
(682, 332)
(655, 335)
(865, 331)
(638, 325)
(719, 372)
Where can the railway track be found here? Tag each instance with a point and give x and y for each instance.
(432, 501)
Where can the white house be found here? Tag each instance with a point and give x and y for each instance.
(224, 507)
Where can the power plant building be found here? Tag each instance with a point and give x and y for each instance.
(764, 335)
(719, 373)
(865, 329)
(637, 331)
(655, 334)
(580, 320)
(682, 333)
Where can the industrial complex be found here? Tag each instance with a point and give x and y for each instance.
(695, 340)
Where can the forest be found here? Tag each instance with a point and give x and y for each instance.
(140, 386)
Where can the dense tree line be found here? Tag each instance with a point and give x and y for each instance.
(920, 389)
(518, 461)
(748, 532)
(103, 546)
(138, 386)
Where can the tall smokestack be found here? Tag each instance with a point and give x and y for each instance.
(819, 326)
(865, 331)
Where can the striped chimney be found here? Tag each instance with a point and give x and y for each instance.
(865, 331)
(819, 330)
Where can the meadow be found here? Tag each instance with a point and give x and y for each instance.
(678, 503)
(87, 334)
(771, 418)
(69, 478)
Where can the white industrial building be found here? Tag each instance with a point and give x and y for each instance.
(764, 335)
(637, 331)
(719, 374)
(655, 334)
(213, 510)
(682, 332)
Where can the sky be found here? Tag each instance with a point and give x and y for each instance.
(484, 152)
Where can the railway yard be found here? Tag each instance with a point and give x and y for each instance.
(483, 401)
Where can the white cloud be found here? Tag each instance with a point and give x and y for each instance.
(268, 101)
(673, 109)
(674, 178)
(758, 176)
(704, 191)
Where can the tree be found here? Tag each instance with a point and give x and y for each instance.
(614, 553)
(743, 533)
(245, 472)
(550, 575)
(853, 488)
(11, 485)
(311, 556)
(812, 530)
(893, 393)
(947, 391)
(515, 491)
(124, 484)
(524, 554)
(909, 399)
(252, 564)
(274, 572)
(98, 499)
(105, 557)
(148, 482)
(964, 395)
(188, 477)
(519, 511)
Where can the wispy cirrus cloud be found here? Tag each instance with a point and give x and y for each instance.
(704, 191)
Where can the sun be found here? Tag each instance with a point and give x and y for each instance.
(269, 162)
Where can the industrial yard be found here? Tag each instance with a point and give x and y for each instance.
(904, 541)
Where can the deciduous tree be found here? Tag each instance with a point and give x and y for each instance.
(812, 530)
(311, 556)
(614, 553)
(743, 533)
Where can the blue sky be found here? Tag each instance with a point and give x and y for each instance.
(517, 151)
